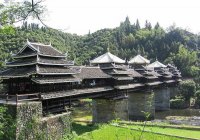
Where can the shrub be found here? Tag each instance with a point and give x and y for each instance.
(187, 89)
(197, 95)
(7, 124)
(177, 103)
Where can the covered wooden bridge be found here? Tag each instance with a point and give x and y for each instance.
(41, 73)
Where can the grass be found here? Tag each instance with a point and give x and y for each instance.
(81, 114)
(108, 132)
(81, 128)
(162, 124)
(170, 131)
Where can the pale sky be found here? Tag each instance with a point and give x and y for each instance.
(80, 16)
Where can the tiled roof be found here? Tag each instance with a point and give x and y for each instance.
(122, 78)
(150, 77)
(37, 69)
(48, 80)
(120, 66)
(55, 61)
(27, 61)
(156, 64)
(55, 70)
(129, 86)
(118, 72)
(174, 70)
(40, 49)
(165, 73)
(169, 81)
(139, 60)
(134, 73)
(154, 73)
(40, 60)
(153, 83)
(24, 55)
(45, 49)
(128, 72)
(113, 66)
(18, 72)
(91, 73)
(107, 58)
(148, 74)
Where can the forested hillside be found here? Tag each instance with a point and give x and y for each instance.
(175, 45)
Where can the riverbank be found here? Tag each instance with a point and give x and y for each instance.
(131, 130)
(158, 129)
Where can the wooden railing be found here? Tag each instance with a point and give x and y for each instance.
(20, 97)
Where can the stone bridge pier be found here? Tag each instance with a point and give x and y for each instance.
(140, 103)
(136, 107)
(105, 110)
(28, 123)
(162, 98)
(173, 91)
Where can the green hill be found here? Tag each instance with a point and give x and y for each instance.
(175, 45)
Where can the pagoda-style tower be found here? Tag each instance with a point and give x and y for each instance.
(163, 93)
(123, 77)
(38, 68)
(163, 71)
(176, 73)
(138, 62)
(42, 73)
(150, 77)
(126, 83)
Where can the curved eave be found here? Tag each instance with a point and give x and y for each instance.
(55, 64)
(132, 63)
(57, 56)
(55, 73)
(25, 46)
(28, 64)
(17, 76)
(20, 65)
(107, 62)
(153, 83)
(24, 56)
(96, 78)
(169, 81)
(129, 86)
(48, 82)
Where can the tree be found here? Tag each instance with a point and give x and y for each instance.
(197, 95)
(137, 25)
(148, 25)
(21, 11)
(187, 89)
(157, 26)
(185, 60)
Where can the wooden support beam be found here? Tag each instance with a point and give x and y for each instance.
(70, 102)
(47, 106)
(63, 103)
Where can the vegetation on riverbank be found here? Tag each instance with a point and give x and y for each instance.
(188, 95)
(167, 131)
(85, 131)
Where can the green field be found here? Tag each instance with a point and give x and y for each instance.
(169, 131)
(108, 132)
(132, 131)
